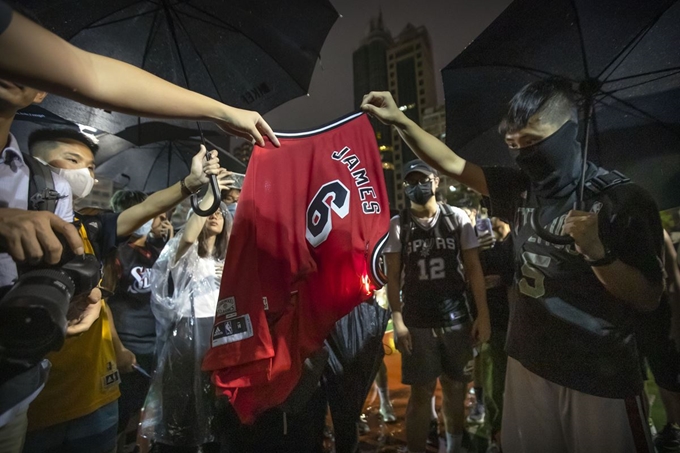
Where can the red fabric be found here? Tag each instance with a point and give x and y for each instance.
(310, 277)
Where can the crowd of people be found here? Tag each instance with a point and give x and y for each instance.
(557, 337)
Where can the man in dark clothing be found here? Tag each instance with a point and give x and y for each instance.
(572, 352)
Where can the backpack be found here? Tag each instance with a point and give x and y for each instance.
(42, 196)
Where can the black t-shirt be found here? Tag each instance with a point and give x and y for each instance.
(5, 16)
(498, 261)
(130, 304)
(566, 327)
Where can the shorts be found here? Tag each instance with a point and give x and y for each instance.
(658, 349)
(438, 351)
(92, 433)
(540, 416)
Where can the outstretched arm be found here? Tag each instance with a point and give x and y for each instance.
(166, 199)
(382, 106)
(35, 57)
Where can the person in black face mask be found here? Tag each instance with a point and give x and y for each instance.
(573, 375)
(437, 248)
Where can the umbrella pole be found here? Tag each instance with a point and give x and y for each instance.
(584, 152)
(213, 179)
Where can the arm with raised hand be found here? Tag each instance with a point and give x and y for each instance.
(166, 199)
(36, 57)
(381, 105)
(195, 223)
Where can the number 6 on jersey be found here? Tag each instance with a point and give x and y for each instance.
(331, 196)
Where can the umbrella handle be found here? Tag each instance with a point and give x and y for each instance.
(216, 201)
(544, 234)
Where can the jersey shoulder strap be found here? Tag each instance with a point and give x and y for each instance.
(42, 196)
(405, 224)
(606, 181)
(448, 213)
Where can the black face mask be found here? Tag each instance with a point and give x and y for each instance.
(420, 193)
(553, 165)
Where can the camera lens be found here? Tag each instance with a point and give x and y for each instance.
(33, 313)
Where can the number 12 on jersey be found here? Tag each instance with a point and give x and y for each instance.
(432, 269)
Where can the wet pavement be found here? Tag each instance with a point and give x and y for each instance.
(391, 437)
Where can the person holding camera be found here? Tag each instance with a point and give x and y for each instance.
(78, 410)
(35, 227)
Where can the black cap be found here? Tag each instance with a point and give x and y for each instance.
(419, 166)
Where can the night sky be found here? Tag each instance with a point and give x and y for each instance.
(452, 24)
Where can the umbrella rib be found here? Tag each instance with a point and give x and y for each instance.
(676, 68)
(148, 175)
(173, 33)
(621, 57)
(645, 82)
(152, 33)
(98, 19)
(637, 38)
(123, 19)
(200, 57)
(638, 110)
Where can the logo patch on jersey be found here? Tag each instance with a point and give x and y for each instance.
(226, 307)
(112, 378)
(597, 207)
(332, 196)
(265, 302)
(142, 283)
(232, 330)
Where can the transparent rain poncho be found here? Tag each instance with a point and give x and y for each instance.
(180, 407)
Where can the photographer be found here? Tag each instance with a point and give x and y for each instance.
(78, 410)
(28, 237)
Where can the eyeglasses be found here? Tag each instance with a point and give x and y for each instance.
(418, 182)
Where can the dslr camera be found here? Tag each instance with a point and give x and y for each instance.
(33, 313)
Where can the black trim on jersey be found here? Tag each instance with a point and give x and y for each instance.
(376, 273)
(332, 125)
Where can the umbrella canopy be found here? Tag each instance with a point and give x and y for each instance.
(246, 53)
(155, 166)
(622, 57)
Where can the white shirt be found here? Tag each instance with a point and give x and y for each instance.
(14, 179)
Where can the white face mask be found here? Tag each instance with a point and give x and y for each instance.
(79, 179)
(144, 229)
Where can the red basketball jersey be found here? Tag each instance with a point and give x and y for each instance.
(312, 220)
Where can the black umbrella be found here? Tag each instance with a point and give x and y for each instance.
(254, 54)
(621, 55)
(155, 166)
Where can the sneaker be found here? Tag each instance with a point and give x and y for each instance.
(477, 413)
(493, 448)
(668, 440)
(433, 435)
(387, 412)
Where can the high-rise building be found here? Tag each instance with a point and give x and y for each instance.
(410, 68)
(404, 66)
(370, 74)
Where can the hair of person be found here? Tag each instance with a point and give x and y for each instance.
(553, 99)
(42, 141)
(221, 241)
(125, 199)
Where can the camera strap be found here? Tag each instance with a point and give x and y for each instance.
(42, 196)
